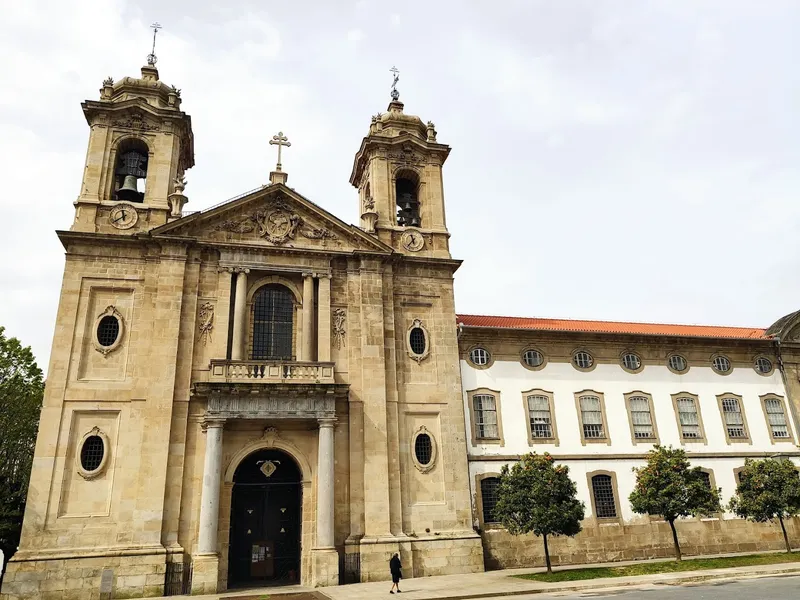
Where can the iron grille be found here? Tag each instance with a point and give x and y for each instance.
(734, 421)
(687, 414)
(417, 341)
(485, 416)
(539, 417)
(604, 497)
(489, 487)
(776, 418)
(592, 416)
(273, 315)
(641, 418)
(107, 331)
(423, 448)
(92, 453)
(178, 579)
(349, 568)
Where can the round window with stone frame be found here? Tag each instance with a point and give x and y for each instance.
(721, 364)
(583, 360)
(108, 331)
(417, 341)
(92, 454)
(631, 362)
(479, 357)
(423, 450)
(763, 365)
(677, 363)
(533, 359)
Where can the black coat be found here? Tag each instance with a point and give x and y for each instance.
(394, 566)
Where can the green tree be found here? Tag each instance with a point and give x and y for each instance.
(21, 390)
(535, 495)
(768, 489)
(670, 488)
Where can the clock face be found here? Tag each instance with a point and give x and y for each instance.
(412, 240)
(123, 216)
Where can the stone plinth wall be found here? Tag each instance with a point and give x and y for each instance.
(79, 578)
(609, 543)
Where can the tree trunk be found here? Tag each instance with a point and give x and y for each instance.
(675, 540)
(547, 554)
(785, 537)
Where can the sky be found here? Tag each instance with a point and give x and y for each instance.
(611, 159)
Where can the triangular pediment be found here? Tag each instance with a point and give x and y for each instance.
(273, 216)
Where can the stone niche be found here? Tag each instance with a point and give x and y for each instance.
(104, 359)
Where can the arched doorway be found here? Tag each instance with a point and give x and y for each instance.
(265, 520)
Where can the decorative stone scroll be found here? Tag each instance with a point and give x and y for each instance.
(205, 325)
(339, 332)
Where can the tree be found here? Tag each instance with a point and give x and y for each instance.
(670, 488)
(537, 496)
(21, 390)
(768, 489)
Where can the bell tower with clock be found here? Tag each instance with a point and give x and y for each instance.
(140, 145)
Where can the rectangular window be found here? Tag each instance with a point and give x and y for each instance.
(641, 418)
(539, 417)
(485, 411)
(733, 418)
(489, 498)
(592, 418)
(603, 493)
(776, 418)
(706, 478)
(689, 419)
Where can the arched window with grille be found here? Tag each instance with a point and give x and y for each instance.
(489, 487)
(272, 323)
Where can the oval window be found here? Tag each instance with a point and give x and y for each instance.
(92, 453)
(107, 331)
(631, 361)
(479, 356)
(533, 358)
(721, 364)
(583, 360)
(423, 449)
(678, 363)
(763, 365)
(416, 338)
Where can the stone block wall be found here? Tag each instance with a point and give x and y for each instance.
(609, 543)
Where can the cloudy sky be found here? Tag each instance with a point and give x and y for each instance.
(612, 159)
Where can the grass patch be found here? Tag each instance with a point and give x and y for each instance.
(650, 568)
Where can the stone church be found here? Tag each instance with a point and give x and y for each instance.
(257, 391)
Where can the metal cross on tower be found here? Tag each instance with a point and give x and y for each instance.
(151, 58)
(395, 93)
(279, 140)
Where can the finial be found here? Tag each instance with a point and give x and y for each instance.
(108, 81)
(151, 58)
(395, 94)
(279, 140)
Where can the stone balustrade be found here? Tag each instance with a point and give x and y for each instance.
(263, 371)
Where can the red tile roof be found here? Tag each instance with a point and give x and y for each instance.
(706, 331)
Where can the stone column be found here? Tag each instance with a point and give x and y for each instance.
(324, 319)
(308, 317)
(239, 309)
(325, 477)
(209, 497)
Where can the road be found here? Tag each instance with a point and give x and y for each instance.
(764, 588)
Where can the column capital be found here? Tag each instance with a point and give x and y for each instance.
(208, 422)
(307, 274)
(326, 423)
(241, 270)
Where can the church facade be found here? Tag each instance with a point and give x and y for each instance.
(262, 392)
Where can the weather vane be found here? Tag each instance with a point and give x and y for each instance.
(151, 58)
(279, 140)
(395, 93)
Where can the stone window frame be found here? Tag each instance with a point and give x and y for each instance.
(110, 311)
(622, 356)
(89, 475)
(736, 473)
(703, 439)
(763, 400)
(714, 358)
(252, 290)
(771, 362)
(748, 439)
(527, 366)
(553, 426)
(488, 364)
(656, 439)
(588, 369)
(717, 516)
(607, 439)
(477, 441)
(418, 324)
(683, 356)
(420, 467)
(615, 491)
(479, 501)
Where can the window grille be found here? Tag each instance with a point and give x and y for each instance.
(489, 487)
(423, 449)
(479, 356)
(763, 365)
(92, 453)
(734, 420)
(273, 315)
(485, 409)
(417, 341)
(641, 418)
(689, 419)
(603, 491)
(533, 358)
(592, 418)
(540, 417)
(776, 418)
(721, 364)
(677, 363)
(107, 331)
(631, 362)
(706, 477)
(583, 360)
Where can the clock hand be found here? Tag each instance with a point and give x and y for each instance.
(122, 216)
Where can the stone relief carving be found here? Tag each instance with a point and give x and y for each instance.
(320, 233)
(241, 226)
(339, 317)
(136, 121)
(277, 224)
(206, 322)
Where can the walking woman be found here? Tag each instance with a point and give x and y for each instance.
(397, 573)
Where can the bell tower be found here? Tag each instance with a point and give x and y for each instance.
(398, 173)
(140, 145)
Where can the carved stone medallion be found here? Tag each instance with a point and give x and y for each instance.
(278, 224)
(412, 241)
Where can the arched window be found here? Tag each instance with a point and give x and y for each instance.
(406, 189)
(131, 167)
(273, 319)
(605, 505)
(489, 488)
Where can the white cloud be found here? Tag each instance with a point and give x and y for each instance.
(355, 35)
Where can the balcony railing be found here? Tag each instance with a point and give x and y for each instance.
(270, 371)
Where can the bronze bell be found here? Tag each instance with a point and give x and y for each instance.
(129, 191)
